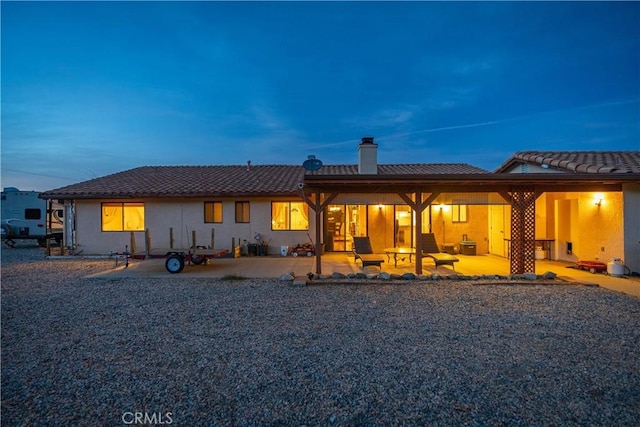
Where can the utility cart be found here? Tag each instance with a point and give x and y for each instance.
(591, 266)
(177, 259)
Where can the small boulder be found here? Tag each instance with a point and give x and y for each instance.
(286, 278)
(409, 276)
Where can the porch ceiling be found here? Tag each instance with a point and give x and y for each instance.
(472, 183)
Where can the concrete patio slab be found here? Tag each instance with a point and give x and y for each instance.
(343, 262)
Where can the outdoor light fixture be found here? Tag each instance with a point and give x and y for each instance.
(598, 202)
(598, 199)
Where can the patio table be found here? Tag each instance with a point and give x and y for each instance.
(398, 251)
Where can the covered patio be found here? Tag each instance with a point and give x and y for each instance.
(419, 192)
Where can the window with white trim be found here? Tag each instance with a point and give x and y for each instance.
(123, 217)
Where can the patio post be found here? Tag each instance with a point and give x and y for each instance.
(418, 205)
(317, 206)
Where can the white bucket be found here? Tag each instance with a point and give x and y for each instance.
(284, 250)
(540, 253)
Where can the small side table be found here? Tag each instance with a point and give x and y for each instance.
(398, 251)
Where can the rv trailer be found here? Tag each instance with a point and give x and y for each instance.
(26, 216)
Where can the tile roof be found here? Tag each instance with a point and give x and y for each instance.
(230, 181)
(578, 161)
(188, 181)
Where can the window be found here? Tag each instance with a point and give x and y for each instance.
(31, 213)
(242, 212)
(459, 213)
(289, 216)
(123, 217)
(213, 212)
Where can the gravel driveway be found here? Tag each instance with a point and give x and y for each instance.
(178, 351)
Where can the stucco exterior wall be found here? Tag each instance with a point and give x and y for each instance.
(595, 231)
(184, 216)
(476, 228)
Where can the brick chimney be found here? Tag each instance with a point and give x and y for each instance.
(367, 156)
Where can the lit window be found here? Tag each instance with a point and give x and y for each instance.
(289, 216)
(213, 212)
(123, 217)
(242, 212)
(459, 213)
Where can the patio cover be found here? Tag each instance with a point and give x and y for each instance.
(420, 190)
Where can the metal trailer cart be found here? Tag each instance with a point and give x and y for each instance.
(176, 259)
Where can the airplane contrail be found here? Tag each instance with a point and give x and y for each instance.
(487, 123)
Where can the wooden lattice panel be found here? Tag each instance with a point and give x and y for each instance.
(523, 231)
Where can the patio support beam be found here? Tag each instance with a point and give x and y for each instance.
(418, 207)
(318, 207)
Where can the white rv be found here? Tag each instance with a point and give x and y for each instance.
(26, 216)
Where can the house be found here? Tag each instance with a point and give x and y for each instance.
(239, 203)
(558, 205)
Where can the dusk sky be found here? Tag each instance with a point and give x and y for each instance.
(90, 89)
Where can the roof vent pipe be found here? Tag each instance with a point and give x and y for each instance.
(248, 165)
(367, 156)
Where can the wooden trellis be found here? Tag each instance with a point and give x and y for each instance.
(523, 217)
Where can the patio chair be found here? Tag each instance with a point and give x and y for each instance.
(430, 249)
(363, 252)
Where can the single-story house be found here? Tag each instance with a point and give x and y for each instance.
(559, 205)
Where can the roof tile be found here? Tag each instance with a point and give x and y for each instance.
(579, 161)
(210, 181)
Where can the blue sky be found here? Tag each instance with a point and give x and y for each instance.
(90, 89)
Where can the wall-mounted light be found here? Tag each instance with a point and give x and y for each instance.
(597, 200)
(379, 206)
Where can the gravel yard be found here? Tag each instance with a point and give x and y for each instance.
(185, 351)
